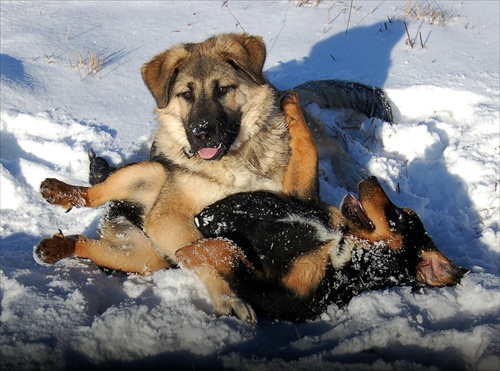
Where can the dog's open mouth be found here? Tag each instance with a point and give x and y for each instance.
(208, 153)
(353, 210)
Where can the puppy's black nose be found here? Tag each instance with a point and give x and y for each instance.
(203, 132)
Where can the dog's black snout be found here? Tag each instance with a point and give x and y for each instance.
(204, 133)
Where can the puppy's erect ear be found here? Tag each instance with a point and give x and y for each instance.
(159, 73)
(245, 52)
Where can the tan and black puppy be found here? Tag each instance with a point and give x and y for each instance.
(282, 258)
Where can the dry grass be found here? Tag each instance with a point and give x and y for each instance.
(49, 58)
(429, 11)
(90, 66)
(307, 2)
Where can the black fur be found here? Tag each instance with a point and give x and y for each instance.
(99, 169)
(366, 99)
(257, 222)
(132, 212)
(210, 125)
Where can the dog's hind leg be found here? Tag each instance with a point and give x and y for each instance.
(214, 260)
(122, 247)
(139, 183)
(301, 175)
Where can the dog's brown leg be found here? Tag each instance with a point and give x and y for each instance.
(122, 245)
(139, 183)
(301, 176)
(132, 253)
(212, 260)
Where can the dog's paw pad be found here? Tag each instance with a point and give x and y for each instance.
(59, 193)
(51, 250)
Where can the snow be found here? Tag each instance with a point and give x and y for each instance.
(440, 158)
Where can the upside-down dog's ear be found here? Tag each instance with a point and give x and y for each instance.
(159, 74)
(435, 269)
(244, 52)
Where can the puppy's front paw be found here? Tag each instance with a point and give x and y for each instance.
(229, 304)
(59, 193)
(55, 248)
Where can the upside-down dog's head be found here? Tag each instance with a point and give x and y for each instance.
(375, 218)
(208, 94)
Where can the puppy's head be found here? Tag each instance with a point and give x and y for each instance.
(204, 86)
(376, 219)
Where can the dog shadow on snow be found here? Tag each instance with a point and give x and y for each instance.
(450, 207)
(363, 54)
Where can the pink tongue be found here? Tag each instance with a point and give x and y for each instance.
(208, 153)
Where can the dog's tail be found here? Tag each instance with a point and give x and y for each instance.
(368, 100)
(99, 169)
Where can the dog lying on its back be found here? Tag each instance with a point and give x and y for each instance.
(283, 257)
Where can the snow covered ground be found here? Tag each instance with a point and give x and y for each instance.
(441, 158)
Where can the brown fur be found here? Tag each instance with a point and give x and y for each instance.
(307, 271)
(213, 261)
(433, 267)
(301, 177)
(374, 201)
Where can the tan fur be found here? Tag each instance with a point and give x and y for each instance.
(374, 201)
(300, 181)
(307, 272)
(136, 183)
(214, 261)
(256, 160)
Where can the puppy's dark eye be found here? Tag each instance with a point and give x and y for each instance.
(188, 96)
(222, 90)
(395, 217)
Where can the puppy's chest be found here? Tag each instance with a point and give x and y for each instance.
(246, 175)
(204, 189)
